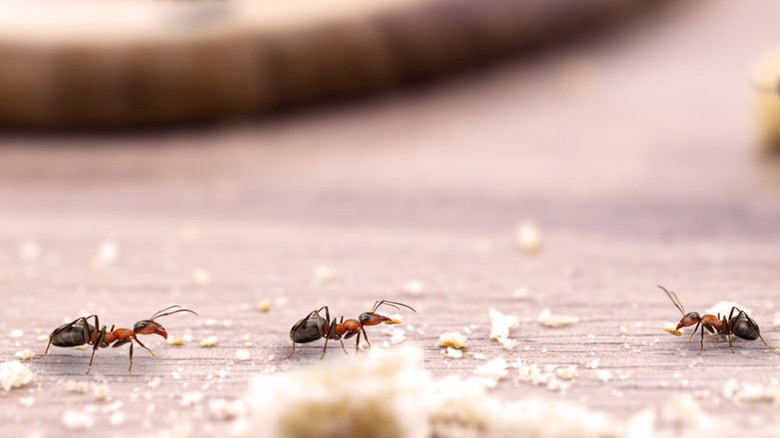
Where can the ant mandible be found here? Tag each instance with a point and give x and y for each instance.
(314, 326)
(740, 325)
(80, 332)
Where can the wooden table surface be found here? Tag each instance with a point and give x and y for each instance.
(634, 154)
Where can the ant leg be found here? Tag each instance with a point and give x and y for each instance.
(343, 347)
(324, 348)
(694, 332)
(142, 345)
(98, 341)
(702, 340)
(130, 370)
(365, 336)
(727, 330)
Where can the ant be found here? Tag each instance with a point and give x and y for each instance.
(80, 332)
(740, 325)
(314, 326)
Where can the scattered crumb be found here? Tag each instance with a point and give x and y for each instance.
(242, 355)
(25, 355)
(264, 305)
(201, 277)
(520, 294)
(74, 386)
(43, 338)
(623, 330)
(187, 337)
(604, 375)
(191, 398)
(550, 319)
(175, 340)
(593, 364)
(77, 420)
(153, 383)
(453, 353)
(495, 369)
(26, 401)
(209, 322)
(546, 376)
(322, 274)
(395, 318)
(101, 392)
(453, 339)
(568, 373)
(209, 342)
(29, 250)
(116, 419)
(14, 375)
(528, 237)
(412, 287)
(500, 325)
(478, 356)
(16, 333)
(397, 336)
(227, 410)
(672, 328)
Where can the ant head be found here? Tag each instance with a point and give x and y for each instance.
(370, 318)
(150, 326)
(689, 319)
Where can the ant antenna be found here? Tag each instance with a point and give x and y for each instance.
(676, 301)
(390, 303)
(159, 314)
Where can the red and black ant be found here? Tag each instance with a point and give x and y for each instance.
(80, 332)
(314, 327)
(740, 325)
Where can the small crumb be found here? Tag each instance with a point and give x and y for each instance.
(500, 326)
(29, 251)
(568, 373)
(175, 340)
(25, 355)
(495, 369)
(395, 319)
(153, 383)
(187, 337)
(478, 356)
(26, 401)
(80, 347)
(43, 338)
(550, 319)
(210, 322)
(413, 287)
(671, 328)
(117, 419)
(593, 364)
(74, 386)
(101, 392)
(242, 355)
(16, 333)
(227, 410)
(528, 237)
(248, 344)
(397, 336)
(604, 375)
(14, 375)
(246, 337)
(626, 346)
(191, 398)
(520, 294)
(323, 274)
(623, 330)
(264, 305)
(453, 353)
(453, 339)
(209, 342)
(201, 277)
(77, 420)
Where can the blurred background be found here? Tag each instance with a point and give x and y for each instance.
(220, 154)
